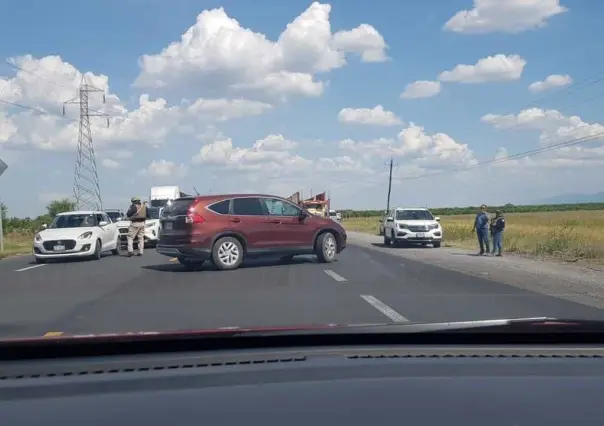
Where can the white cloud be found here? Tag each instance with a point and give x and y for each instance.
(123, 154)
(492, 68)
(507, 16)
(551, 81)
(46, 82)
(217, 53)
(267, 155)
(225, 109)
(419, 148)
(110, 164)
(165, 169)
(274, 157)
(376, 116)
(554, 128)
(364, 40)
(421, 89)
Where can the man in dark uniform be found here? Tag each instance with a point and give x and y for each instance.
(137, 213)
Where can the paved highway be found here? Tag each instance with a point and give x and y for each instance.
(153, 293)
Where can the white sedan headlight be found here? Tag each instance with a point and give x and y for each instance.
(85, 235)
(37, 238)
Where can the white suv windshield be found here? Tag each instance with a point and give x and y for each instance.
(414, 215)
(115, 216)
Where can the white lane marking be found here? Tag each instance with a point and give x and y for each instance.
(335, 276)
(383, 308)
(28, 268)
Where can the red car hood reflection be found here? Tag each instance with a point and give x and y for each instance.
(179, 333)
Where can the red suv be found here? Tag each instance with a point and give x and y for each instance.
(228, 228)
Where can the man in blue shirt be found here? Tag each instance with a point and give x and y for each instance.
(481, 226)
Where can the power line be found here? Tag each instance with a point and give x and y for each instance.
(530, 153)
(37, 111)
(86, 186)
(12, 64)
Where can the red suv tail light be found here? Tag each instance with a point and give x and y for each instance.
(192, 215)
(194, 218)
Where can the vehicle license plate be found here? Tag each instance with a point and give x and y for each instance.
(168, 226)
(58, 248)
(420, 235)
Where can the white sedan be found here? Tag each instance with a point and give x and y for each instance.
(77, 234)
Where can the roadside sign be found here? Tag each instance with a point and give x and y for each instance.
(3, 166)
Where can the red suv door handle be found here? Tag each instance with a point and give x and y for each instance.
(235, 219)
(277, 221)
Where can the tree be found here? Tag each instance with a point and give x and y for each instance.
(60, 206)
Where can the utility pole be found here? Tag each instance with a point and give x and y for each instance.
(389, 185)
(1, 226)
(86, 187)
(3, 167)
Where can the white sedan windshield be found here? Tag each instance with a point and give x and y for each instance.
(73, 221)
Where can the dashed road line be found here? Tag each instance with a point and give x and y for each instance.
(28, 268)
(53, 334)
(383, 308)
(335, 276)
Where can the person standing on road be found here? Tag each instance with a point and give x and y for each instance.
(137, 213)
(481, 227)
(498, 227)
(492, 230)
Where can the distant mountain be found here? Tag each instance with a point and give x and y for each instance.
(573, 198)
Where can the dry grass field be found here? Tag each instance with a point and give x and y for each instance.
(574, 235)
(16, 243)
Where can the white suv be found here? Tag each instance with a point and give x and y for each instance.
(412, 226)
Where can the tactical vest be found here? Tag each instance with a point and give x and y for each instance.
(141, 213)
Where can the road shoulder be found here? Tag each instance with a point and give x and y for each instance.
(572, 282)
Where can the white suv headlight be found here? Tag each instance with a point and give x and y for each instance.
(37, 238)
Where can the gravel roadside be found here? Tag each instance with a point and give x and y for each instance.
(573, 282)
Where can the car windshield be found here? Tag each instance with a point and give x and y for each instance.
(73, 221)
(414, 215)
(325, 164)
(159, 203)
(114, 216)
(152, 213)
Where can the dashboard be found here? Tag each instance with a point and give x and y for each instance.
(410, 385)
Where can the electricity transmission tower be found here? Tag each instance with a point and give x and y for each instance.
(86, 187)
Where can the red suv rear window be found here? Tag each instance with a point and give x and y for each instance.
(179, 207)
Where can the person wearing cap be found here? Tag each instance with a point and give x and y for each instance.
(481, 227)
(498, 228)
(137, 213)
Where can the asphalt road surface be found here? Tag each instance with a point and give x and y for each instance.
(155, 293)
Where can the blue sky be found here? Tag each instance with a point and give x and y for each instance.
(109, 38)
